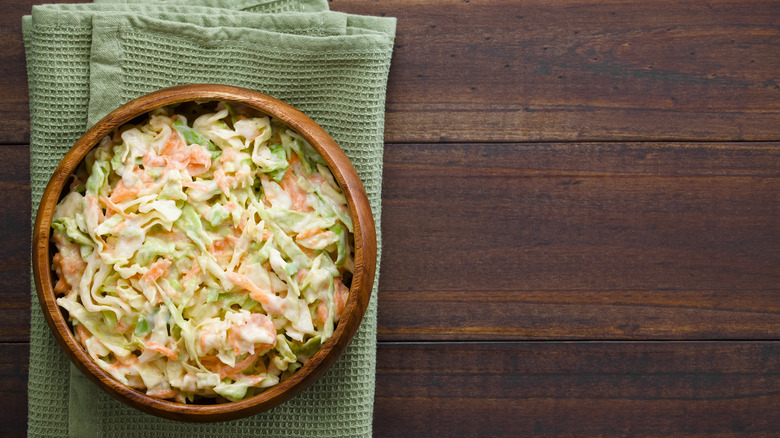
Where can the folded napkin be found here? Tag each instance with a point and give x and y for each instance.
(84, 60)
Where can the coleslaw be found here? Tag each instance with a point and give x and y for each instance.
(209, 258)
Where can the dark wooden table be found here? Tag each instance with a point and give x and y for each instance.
(581, 219)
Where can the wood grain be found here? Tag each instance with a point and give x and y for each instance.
(13, 387)
(573, 241)
(530, 215)
(579, 389)
(698, 389)
(14, 97)
(581, 241)
(550, 70)
(544, 70)
(15, 241)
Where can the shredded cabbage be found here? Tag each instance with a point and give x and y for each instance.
(203, 259)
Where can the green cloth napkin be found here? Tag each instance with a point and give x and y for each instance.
(84, 60)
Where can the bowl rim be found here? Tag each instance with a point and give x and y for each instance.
(364, 241)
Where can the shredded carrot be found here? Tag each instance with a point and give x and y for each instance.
(121, 192)
(93, 204)
(299, 276)
(195, 270)
(142, 175)
(173, 145)
(196, 186)
(213, 364)
(61, 287)
(298, 196)
(254, 380)
(162, 349)
(110, 204)
(310, 253)
(198, 162)
(308, 232)
(119, 227)
(221, 244)
(316, 178)
(322, 312)
(340, 293)
(203, 340)
(247, 334)
(71, 265)
(223, 181)
(151, 159)
(270, 302)
(156, 270)
(121, 326)
(127, 362)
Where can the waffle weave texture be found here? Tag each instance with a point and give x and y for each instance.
(84, 60)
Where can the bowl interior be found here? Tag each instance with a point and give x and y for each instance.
(364, 257)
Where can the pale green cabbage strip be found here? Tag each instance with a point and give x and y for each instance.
(204, 258)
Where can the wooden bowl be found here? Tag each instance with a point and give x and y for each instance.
(360, 290)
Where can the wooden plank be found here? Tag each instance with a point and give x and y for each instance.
(540, 70)
(579, 389)
(15, 243)
(548, 70)
(553, 389)
(13, 389)
(549, 241)
(14, 96)
(580, 241)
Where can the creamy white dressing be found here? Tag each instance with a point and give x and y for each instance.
(199, 259)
